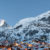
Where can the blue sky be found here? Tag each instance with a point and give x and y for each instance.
(14, 10)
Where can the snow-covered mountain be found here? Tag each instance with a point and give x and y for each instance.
(27, 29)
(34, 27)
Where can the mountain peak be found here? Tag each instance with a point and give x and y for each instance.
(2, 21)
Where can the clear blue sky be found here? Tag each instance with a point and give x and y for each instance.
(14, 10)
